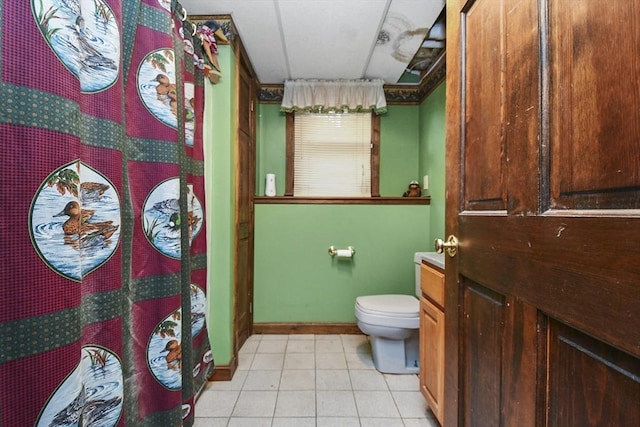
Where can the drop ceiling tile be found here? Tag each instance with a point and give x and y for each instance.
(326, 39)
(330, 39)
(262, 40)
(403, 31)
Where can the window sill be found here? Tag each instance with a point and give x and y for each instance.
(289, 200)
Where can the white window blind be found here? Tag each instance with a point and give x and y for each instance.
(332, 155)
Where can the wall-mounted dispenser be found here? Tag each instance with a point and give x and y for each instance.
(270, 185)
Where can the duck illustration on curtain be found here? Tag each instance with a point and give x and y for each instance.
(103, 278)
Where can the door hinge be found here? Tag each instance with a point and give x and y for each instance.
(250, 307)
(251, 104)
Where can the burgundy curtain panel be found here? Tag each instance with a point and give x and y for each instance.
(104, 255)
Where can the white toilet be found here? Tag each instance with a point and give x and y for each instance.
(392, 323)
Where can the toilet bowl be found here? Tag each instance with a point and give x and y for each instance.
(392, 323)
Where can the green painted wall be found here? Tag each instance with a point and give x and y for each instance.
(271, 147)
(295, 279)
(220, 194)
(432, 157)
(398, 149)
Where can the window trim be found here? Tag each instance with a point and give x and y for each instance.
(375, 155)
(286, 200)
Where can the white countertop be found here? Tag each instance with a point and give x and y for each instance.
(430, 257)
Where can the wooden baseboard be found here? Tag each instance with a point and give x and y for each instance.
(224, 372)
(306, 328)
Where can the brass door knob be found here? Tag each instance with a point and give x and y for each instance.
(451, 246)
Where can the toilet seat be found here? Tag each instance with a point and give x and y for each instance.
(390, 305)
(399, 311)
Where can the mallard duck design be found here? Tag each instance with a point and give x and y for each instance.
(80, 231)
(174, 354)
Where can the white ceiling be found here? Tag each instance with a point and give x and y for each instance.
(327, 39)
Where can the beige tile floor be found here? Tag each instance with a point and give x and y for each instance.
(311, 380)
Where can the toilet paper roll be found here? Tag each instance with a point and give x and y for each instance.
(343, 253)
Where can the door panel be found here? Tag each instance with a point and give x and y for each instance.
(544, 198)
(483, 329)
(523, 109)
(521, 350)
(483, 114)
(595, 117)
(577, 393)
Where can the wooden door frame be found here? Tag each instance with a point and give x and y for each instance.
(452, 204)
(242, 59)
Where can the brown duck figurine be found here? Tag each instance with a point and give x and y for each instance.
(414, 190)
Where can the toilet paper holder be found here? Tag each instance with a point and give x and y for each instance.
(342, 253)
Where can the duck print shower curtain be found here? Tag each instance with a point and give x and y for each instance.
(103, 266)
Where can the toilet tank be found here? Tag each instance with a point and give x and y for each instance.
(432, 258)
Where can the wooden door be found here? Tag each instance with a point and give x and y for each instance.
(543, 193)
(245, 188)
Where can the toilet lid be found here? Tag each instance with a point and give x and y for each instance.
(390, 305)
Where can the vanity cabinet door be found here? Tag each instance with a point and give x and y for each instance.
(432, 356)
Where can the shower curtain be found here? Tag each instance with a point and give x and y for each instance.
(103, 266)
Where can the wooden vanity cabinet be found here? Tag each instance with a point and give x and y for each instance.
(432, 338)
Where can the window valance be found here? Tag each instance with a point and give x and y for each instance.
(334, 95)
